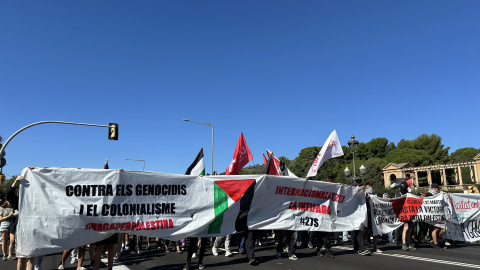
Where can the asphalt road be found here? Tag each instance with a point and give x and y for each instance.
(459, 256)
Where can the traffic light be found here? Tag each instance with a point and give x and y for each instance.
(113, 131)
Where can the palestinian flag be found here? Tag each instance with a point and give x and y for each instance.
(281, 167)
(228, 192)
(198, 165)
(398, 181)
(270, 168)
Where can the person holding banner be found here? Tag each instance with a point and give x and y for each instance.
(67, 252)
(286, 238)
(321, 241)
(192, 246)
(357, 235)
(250, 237)
(110, 242)
(196, 168)
(408, 225)
(22, 262)
(369, 191)
(435, 231)
(218, 241)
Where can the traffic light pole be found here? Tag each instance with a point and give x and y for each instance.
(2, 151)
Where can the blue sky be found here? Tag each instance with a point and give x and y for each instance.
(285, 73)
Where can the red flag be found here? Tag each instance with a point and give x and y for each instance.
(276, 162)
(241, 157)
(270, 168)
(106, 165)
(264, 160)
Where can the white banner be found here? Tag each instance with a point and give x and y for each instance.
(62, 208)
(389, 214)
(330, 149)
(464, 221)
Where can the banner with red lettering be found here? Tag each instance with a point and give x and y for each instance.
(463, 223)
(63, 208)
(290, 203)
(389, 214)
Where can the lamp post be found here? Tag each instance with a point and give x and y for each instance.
(352, 144)
(205, 124)
(138, 160)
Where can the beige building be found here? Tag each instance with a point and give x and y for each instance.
(406, 170)
(397, 170)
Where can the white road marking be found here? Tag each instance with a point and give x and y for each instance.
(421, 259)
(120, 266)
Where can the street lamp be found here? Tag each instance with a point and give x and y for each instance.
(205, 124)
(138, 160)
(352, 144)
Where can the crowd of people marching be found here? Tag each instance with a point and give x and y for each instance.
(364, 243)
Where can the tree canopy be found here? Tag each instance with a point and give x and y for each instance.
(375, 155)
(464, 154)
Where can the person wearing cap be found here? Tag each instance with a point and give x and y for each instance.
(434, 189)
(435, 231)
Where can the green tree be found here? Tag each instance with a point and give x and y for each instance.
(304, 161)
(362, 151)
(464, 154)
(390, 147)
(413, 156)
(254, 169)
(429, 148)
(332, 170)
(285, 160)
(8, 183)
(433, 146)
(377, 148)
(374, 173)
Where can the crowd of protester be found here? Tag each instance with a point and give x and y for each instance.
(408, 236)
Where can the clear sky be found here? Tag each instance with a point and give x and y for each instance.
(285, 73)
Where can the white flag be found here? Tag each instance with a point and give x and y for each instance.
(331, 148)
